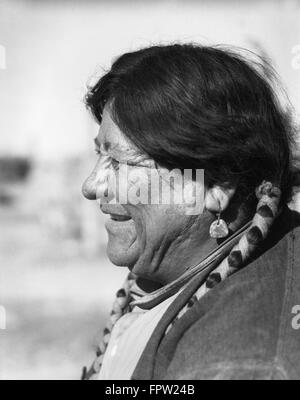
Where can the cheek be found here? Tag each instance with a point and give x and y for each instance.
(133, 186)
(139, 216)
(150, 223)
(153, 222)
(122, 248)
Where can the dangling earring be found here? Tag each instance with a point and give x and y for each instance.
(219, 229)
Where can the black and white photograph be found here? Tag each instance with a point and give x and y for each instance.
(149, 193)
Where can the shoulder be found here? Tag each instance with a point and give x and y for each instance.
(243, 327)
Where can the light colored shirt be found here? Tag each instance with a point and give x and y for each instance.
(128, 340)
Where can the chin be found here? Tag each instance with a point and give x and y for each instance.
(121, 257)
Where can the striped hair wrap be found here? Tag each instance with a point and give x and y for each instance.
(228, 258)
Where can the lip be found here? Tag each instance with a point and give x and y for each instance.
(117, 228)
(119, 218)
(117, 213)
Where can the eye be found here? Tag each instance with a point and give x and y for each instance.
(98, 152)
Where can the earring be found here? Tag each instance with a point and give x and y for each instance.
(218, 229)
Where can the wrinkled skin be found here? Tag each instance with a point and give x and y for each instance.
(159, 241)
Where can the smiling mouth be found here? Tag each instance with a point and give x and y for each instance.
(116, 213)
(120, 218)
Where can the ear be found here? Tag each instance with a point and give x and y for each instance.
(218, 198)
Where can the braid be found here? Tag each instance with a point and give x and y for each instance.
(119, 308)
(266, 212)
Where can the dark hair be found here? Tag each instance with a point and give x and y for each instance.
(191, 106)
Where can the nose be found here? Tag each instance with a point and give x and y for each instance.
(96, 185)
(89, 187)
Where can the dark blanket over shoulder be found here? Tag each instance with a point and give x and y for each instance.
(243, 328)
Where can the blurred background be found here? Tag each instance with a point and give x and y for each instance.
(56, 282)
